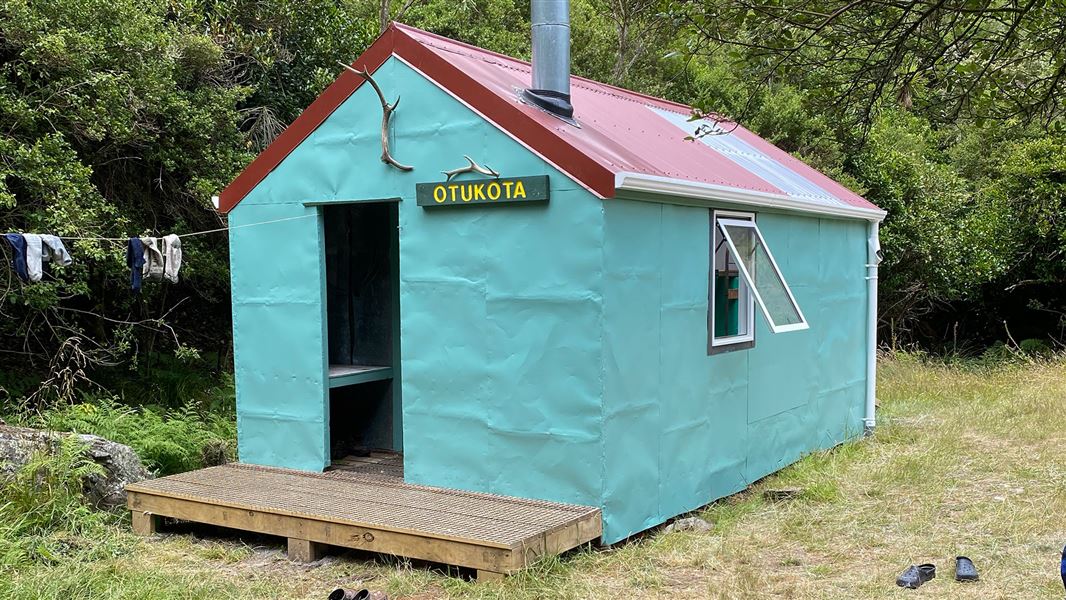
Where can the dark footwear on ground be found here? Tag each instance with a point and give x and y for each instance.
(964, 569)
(347, 594)
(915, 576)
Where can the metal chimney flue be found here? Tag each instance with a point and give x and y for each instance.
(550, 88)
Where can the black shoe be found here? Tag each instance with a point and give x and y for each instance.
(964, 569)
(916, 576)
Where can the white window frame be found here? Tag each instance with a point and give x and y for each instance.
(747, 276)
(749, 337)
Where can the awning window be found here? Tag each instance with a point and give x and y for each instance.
(760, 272)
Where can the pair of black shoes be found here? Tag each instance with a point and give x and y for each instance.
(915, 576)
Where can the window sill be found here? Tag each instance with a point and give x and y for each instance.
(722, 349)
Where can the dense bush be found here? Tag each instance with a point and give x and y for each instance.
(119, 117)
(167, 440)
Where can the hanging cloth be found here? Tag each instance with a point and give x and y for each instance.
(55, 251)
(135, 261)
(171, 249)
(33, 256)
(18, 247)
(153, 258)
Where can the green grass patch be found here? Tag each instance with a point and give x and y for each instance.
(967, 459)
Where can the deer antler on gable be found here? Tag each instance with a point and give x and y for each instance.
(386, 112)
(473, 167)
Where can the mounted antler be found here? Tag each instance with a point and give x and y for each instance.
(473, 167)
(386, 110)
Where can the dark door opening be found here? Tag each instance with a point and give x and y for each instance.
(363, 329)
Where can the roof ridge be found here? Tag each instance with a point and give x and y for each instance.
(618, 141)
(588, 84)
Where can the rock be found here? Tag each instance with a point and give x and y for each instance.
(689, 524)
(121, 464)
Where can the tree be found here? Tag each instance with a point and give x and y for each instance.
(950, 59)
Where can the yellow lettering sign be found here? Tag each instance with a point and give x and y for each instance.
(483, 191)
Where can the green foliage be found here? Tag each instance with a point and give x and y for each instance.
(122, 117)
(942, 242)
(486, 23)
(168, 441)
(116, 120)
(42, 511)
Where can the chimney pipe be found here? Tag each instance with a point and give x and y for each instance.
(551, 58)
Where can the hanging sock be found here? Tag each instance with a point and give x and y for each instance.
(171, 257)
(153, 258)
(135, 261)
(33, 256)
(55, 251)
(18, 247)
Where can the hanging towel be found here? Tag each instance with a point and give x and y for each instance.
(135, 261)
(153, 258)
(171, 257)
(33, 256)
(55, 251)
(18, 259)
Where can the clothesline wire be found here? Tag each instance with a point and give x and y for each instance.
(195, 233)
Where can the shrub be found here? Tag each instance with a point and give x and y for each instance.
(168, 441)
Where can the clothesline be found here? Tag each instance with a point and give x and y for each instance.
(152, 258)
(185, 235)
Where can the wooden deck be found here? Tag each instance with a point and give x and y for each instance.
(493, 534)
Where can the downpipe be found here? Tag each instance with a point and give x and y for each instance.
(873, 260)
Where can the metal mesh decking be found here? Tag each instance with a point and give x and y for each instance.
(370, 500)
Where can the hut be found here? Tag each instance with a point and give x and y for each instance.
(543, 290)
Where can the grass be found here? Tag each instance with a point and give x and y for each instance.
(967, 459)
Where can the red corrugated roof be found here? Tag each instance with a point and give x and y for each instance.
(621, 132)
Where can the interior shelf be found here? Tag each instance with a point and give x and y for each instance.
(341, 375)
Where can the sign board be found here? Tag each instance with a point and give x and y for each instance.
(483, 191)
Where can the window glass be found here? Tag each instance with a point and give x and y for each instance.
(731, 301)
(759, 270)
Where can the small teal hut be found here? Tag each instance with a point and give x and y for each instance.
(596, 311)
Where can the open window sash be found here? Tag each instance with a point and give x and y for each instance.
(759, 270)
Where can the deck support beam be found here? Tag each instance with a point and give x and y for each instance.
(305, 551)
(145, 523)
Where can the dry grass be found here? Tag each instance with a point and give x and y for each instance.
(966, 460)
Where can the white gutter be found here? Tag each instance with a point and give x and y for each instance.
(671, 189)
(873, 259)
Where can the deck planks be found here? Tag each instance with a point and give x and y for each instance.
(368, 511)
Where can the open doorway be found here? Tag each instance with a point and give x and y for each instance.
(363, 329)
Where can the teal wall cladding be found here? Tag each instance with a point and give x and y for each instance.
(552, 350)
(500, 305)
(682, 428)
(277, 276)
